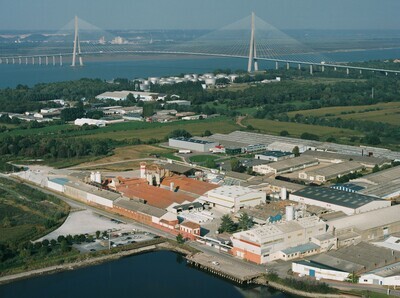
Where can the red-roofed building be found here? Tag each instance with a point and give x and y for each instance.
(190, 230)
(189, 185)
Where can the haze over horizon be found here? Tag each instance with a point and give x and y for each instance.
(205, 14)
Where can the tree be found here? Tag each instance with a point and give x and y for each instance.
(372, 140)
(236, 166)
(309, 136)
(375, 169)
(245, 222)
(179, 133)
(64, 246)
(148, 110)
(296, 151)
(227, 224)
(180, 239)
(284, 133)
(45, 242)
(97, 234)
(207, 133)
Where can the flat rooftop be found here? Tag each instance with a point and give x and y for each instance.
(336, 169)
(368, 220)
(292, 162)
(192, 140)
(112, 196)
(188, 185)
(140, 207)
(371, 160)
(276, 154)
(153, 195)
(337, 197)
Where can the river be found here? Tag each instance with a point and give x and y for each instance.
(12, 75)
(156, 274)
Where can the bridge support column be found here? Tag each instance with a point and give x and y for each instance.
(386, 73)
(347, 71)
(335, 68)
(287, 65)
(77, 46)
(1, 61)
(47, 60)
(360, 71)
(6, 60)
(13, 60)
(33, 60)
(26, 60)
(311, 69)
(323, 68)
(276, 65)
(19, 61)
(299, 66)
(61, 60)
(54, 60)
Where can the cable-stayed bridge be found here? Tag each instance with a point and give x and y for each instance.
(250, 38)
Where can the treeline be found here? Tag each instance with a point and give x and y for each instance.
(31, 146)
(23, 98)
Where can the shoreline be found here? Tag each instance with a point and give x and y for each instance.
(92, 261)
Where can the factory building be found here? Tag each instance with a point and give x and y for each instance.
(286, 166)
(337, 200)
(232, 198)
(383, 184)
(385, 276)
(178, 102)
(318, 270)
(284, 240)
(288, 147)
(333, 157)
(330, 172)
(192, 144)
(368, 226)
(83, 121)
(122, 95)
(274, 155)
(57, 184)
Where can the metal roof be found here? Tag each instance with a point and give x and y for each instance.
(61, 181)
(276, 153)
(140, 207)
(302, 248)
(336, 197)
(181, 169)
(197, 141)
(348, 187)
(317, 265)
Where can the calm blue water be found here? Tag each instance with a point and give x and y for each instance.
(158, 274)
(12, 75)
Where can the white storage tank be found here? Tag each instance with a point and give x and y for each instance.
(97, 177)
(92, 177)
(154, 80)
(283, 193)
(289, 213)
(210, 81)
(195, 76)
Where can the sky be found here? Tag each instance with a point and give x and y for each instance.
(200, 14)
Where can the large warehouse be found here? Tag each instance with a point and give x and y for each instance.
(338, 200)
(122, 95)
(330, 172)
(367, 226)
(286, 166)
(276, 241)
(232, 198)
(192, 144)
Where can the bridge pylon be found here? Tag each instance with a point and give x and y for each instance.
(77, 46)
(253, 48)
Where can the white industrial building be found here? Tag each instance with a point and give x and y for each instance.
(179, 102)
(57, 184)
(88, 121)
(286, 166)
(288, 147)
(385, 276)
(318, 270)
(122, 95)
(192, 144)
(274, 155)
(232, 198)
(368, 226)
(338, 200)
(331, 171)
(285, 240)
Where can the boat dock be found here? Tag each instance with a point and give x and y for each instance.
(223, 268)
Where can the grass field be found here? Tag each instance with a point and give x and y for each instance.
(26, 214)
(296, 129)
(382, 112)
(126, 158)
(203, 158)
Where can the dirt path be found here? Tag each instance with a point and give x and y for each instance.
(239, 120)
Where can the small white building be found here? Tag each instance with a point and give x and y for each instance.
(385, 276)
(318, 270)
(88, 121)
(232, 198)
(191, 144)
(274, 155)
(57, 184)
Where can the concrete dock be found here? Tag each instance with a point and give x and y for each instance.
(223, 268)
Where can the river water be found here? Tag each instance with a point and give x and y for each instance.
(12, 75)
(156, 274)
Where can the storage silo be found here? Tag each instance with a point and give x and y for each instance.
(289, 213)
(283, 193)
(97, 177)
